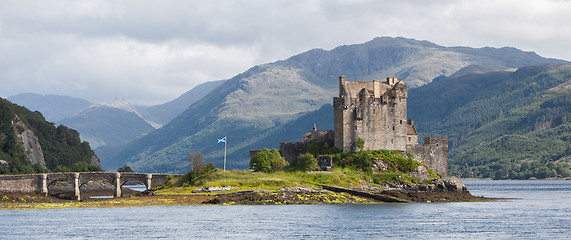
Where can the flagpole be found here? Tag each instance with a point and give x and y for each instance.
(225, 153)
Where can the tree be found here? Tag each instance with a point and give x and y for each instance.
(268, 161)
(124, 169)
(196, 160)
(306, 162)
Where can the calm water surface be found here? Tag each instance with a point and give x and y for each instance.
(538, 210)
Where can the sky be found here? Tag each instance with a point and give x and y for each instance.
(150, 52)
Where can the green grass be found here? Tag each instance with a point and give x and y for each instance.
(247, 180)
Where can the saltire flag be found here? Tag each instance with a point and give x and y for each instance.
(222, 140)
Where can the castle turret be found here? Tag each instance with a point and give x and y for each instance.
(372, 111)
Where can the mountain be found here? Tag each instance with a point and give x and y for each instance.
(254, 105)
(53, 107)
(164, 113)
(114, 123)
(507, 124)
(30, 144)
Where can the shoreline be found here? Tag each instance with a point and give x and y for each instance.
(285, 196)
(490, 179)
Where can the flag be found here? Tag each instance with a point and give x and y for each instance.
(222, 140)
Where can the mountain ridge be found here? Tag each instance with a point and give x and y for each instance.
(266, 96)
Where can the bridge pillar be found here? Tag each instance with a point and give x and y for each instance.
(44, 184)
(118, 185)
(149, 181)
(76, 185)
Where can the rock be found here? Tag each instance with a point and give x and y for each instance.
(379, 166)
(421, 173)
(214, 189)
(454, 184)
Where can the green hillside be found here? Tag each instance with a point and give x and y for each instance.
(60, 145)
(253, 107)
(502, 124)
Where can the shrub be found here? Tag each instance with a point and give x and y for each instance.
(268, 161)
(124, 169)
(198, 176)
(306, 162)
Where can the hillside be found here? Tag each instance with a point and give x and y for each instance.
(108, 125)
(29, 144)
(251, 106)
(501, 124)
(53, 107)
(164, 113)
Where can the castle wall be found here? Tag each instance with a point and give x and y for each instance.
(434, 154)
(319, 136)
(376, 114)
(290, 150)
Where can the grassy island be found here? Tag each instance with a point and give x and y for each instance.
(357, 180)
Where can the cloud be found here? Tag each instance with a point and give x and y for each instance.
(152, 51)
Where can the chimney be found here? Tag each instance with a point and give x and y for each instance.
(341, 85)
(411, 122)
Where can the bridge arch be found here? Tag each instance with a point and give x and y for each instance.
(39, 183)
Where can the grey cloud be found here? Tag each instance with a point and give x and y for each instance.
(151, 51)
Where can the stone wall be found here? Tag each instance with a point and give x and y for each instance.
(290, 150)
(434, 154)
(373, 111)
(21, 183)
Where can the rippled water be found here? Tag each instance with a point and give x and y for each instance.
(538, 210)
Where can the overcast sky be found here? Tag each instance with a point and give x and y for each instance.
(150, 52)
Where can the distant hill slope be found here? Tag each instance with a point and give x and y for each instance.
(29, 144)
(164, 113)
(247, 107)
(500, 124)
(53, 107)
(112, 124)
(116, 122)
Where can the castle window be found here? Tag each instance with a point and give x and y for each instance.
(400, 121)
(393, 128)
(409, 139)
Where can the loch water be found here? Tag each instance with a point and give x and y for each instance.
(529, 210)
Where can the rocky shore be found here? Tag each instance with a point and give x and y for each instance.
(438, 190)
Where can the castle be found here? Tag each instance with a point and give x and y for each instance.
(375, 112)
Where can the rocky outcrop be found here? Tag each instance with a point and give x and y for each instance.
(95, 161)
(29, 141)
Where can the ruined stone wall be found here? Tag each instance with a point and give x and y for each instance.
(290, 150)
(379, 119)
(434, 153)
(319, 136)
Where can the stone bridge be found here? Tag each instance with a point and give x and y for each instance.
(39, 183)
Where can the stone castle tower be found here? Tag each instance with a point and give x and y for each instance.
(373, 111)
(376, 113)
